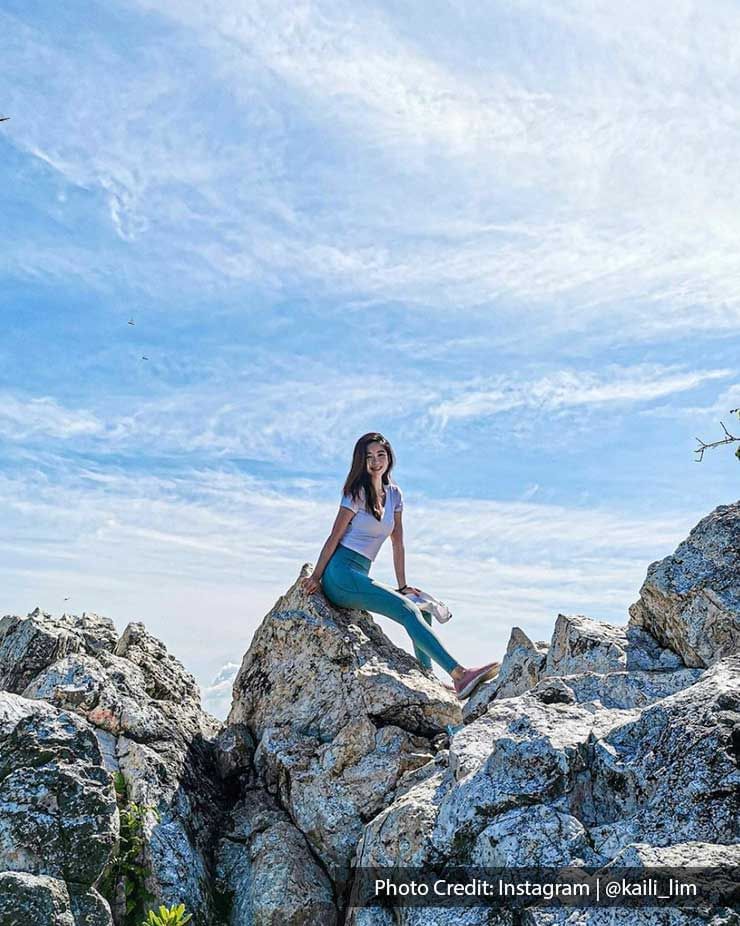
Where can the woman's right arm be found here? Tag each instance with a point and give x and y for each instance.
(312, 583)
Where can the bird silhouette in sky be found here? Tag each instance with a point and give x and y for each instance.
(66, 599)
(143, 357)
(4, 118)
(131, 321)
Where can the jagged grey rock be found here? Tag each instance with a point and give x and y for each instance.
(690, 600)
(533, 836)
(339, 714)
(144, 709)
(521, 668)
(29, 644)
(620, 666)
(541, 777)
(641, 855)
(57, 807)
(580, 644)
(89, 908)
(672, 775)
(625, 689)
(58, 814)
(266, 866)
(523, 751)
(30, 900)
(164, 676)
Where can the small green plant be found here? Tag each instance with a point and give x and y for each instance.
(127, 867)
(175, 916)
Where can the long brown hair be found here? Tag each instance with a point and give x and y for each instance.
(359, 478)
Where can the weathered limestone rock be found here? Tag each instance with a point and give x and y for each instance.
(89, 908)
(340, 715)
(542, 779)
(29, 644)
(690, 601)
(610, 746)
(640, 855)
(522, 751)
(672, 775)
(580, 644)
(624, 690)
(265, 865)
(621, 667)
(164, 676)
(144, 709)
(521, 668)
(58, 814)
(531, 836)
(27, 899)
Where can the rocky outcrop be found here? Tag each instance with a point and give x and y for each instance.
(618, 666)
(141, 708)
(522, 667)
(690, 601)
(607, 746)
(556, 783)
(27, 899)
(29, 645)
(58, 814)
(339, 715)
(267, 871)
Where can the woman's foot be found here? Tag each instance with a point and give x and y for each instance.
(468, 681)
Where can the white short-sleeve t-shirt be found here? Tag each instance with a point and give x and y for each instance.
(365, 534)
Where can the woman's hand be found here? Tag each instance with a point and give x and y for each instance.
(311, 584)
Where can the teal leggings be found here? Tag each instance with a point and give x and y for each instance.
(346, 583)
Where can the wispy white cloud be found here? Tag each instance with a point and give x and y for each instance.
(23, 418)
(269, 414)
(721, 407)
(259, 417)
(567, 388)
(617, 163)
(565, 189)
(216, 697)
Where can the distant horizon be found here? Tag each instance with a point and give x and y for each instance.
(236, 238)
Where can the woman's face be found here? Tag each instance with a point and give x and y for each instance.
(376, 459)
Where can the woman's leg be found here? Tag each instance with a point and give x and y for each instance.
(350, 587)
(385, 600)
(424, 660)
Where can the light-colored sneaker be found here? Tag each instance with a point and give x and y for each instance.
(467, 684)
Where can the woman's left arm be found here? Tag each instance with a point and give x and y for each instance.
(399, 553)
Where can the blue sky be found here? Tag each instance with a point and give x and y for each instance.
(506, 235)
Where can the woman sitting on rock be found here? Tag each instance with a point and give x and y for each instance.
(369, 512)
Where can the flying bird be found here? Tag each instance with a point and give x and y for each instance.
(66, 599)
(4, 118)
(131, 321)
(143, 357)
